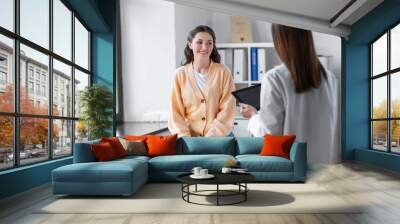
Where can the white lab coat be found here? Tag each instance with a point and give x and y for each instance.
(311, 116)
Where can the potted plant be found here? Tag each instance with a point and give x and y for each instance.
(96, 103)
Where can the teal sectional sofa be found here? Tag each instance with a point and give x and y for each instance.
(125, 176)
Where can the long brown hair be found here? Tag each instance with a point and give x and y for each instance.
(296, 49)
(215, 57)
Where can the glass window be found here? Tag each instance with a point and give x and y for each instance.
(62, 29)
(62, 138)
(6, 73)
(81, 131)
(30, 87)
(40, 62)
(385, 125)
(62, 74)
(34, 21)
(81, 81)
(7, 14)
(6, 142)
(379, 135)
(395, 136)
(379, 100)
(395, 47)
(379, 56)
(81, 45)
(33, 140)
(395, 95)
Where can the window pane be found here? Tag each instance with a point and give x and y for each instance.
(395, 94)
(62, 138)
(6, 74)
(379, 98)
(33, 139)
(395, 136)
(379, 55)
(6, 142)
(35, 21)
(62, 89)
(81, 131)
(81, 45)
(379, 135)
(395, 47)
(81, 81)
(7, 14)
(34, 72)
(62, 29)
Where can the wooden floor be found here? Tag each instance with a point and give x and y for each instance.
(378, 188)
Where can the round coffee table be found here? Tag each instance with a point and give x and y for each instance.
(238, 179)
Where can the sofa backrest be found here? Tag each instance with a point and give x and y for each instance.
(249, 145)
(206, 145)
(83, 152)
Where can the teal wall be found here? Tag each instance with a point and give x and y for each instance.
(355, 86)
(99, 15)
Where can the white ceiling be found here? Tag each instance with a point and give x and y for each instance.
(319, 9)
(315, 15)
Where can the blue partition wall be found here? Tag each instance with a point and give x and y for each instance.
(99, 15)
(355, 86)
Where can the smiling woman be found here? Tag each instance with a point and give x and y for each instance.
(201, 102)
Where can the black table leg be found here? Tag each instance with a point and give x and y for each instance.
(217, 194)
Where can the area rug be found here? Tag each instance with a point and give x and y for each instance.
(167, 198)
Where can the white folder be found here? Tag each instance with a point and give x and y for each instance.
(262, 66)
(222, 53)
(229, 59)
(239, 65)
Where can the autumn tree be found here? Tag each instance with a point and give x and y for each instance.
(33, 131)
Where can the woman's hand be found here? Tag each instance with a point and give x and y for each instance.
(247, 110)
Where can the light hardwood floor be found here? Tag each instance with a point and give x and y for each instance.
(378, 188)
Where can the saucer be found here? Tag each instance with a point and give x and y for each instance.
(208, 176)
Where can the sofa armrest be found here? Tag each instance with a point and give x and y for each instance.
(298, 155)
(83, 152)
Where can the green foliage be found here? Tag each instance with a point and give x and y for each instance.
(96, 102)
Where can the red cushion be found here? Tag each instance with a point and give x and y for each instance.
(103, 152)
(161, 145)
(116, 145)
(277, 145)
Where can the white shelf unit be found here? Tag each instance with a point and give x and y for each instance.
(272, 59)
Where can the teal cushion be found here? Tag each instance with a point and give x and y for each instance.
(249, 145)
(111, 171)
(185, 163)
(257, 163)
(83, 152)
(206, 145)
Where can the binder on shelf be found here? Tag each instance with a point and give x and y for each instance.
(229, 59)
(254, 64)
(239, 65)
(222, 53)
(262, 67)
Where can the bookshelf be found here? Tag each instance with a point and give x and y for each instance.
(238, 58)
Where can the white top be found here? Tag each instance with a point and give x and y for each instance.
(201, 80)
(311, 116)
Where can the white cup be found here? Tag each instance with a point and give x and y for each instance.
(196, 170)
(203, 172)
(226, 170)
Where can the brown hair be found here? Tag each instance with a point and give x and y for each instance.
(215, 57)
(296, 49)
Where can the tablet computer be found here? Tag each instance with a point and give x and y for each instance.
(249, 95)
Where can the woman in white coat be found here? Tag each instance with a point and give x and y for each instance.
(298, 97)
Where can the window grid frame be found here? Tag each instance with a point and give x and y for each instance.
(388, 74)
(16, 114)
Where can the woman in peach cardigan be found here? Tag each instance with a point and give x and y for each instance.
(201, 101)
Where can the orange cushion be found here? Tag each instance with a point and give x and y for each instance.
(116, 145)
(136, 137)
(275, 145)
(103, 152)
(161, 145)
